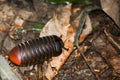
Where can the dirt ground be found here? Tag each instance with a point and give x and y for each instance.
(17, 23)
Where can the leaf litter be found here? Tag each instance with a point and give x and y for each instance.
(100, 54)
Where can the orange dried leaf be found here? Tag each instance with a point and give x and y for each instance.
(3, 28)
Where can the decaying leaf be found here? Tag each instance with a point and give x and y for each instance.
(58, 24)
(112, 8)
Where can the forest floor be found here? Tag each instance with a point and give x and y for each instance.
(24, 20)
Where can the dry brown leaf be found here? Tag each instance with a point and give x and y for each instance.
(59, 25)
(112, 8)
(57, 62)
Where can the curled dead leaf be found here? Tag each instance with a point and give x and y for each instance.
(58, 24)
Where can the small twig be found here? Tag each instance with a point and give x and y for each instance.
(111, 39)
(80, 58)
(105, 60)
(2, 41)
(84, 13)
(91, 69)
(80, 28)
(31, 21)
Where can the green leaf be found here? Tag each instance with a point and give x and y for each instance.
(39, 25)
(0, 78)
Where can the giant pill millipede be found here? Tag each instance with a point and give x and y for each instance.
(36, 50)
